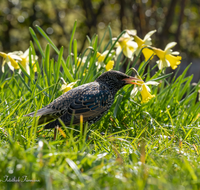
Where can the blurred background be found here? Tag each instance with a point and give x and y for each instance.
(174, 20)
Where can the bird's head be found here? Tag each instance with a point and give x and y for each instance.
(116, 79)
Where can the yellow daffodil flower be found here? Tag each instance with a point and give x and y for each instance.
(25, 61)
(109, 65)
(81, 63)
(144, 90)
(127, 45)
(167, 57)
(10, 60)
(131, 32)
(144, 43)
(146, 96)
(66, 87)
(101, 58)
(13, 58)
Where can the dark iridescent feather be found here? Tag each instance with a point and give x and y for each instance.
(90, 100)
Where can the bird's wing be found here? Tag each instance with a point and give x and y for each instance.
(87, 100)
(89, 105)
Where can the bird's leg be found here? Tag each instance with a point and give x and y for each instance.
(55, 132)
(87, 136)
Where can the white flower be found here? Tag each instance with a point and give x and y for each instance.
(13, 58)
(144, 90)
(66, 87)
(167, 57)
(127, 45)
(148, 53)
(101, 58)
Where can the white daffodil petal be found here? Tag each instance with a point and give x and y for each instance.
(2, 67)
(135, 91)
(160, 64)
(152, 83)
(137, 51)
(10, 66)
(132, 44)
(63, 87)
(125, 35)
(131, 32)
(16, 57)
(26, 53)
(148, 42)
(114, 39)
(168, 51)
(33, 58)
(175, 53)
(18, 53)
(127, 52)
(170, 45)
(118, 50)
(166, 63)
(147, 87)
(104, 53)
(149, 34)
(98, 65)
(27, 68)
(84, 59)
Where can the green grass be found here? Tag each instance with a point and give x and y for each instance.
(135, 146)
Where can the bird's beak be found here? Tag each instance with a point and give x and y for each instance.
(131, 79)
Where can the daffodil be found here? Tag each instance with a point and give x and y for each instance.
(13, 58)
(81, 61)
(25, 61)
(10, 60)
(109, 65)
(148, 53)
(144, 90)
(101, 58)
(167, 57)
(131, 32)
(146, 96)
(127, 45)
(66, 87)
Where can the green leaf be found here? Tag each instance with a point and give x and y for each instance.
(113, 45)
(69, 76)
(57, 67)
(117, 106)
(36, 41)
(47, 38)
(72, 37)
(161, 77)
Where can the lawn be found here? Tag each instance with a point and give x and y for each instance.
(152, 144)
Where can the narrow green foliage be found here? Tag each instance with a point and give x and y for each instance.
(47, 38)
(151, 145)
(57, 66)
(36, 41)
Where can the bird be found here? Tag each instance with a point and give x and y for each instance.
(91, 100)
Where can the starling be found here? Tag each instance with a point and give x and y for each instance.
(91, 100)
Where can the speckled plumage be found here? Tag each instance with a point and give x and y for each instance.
(91, 100)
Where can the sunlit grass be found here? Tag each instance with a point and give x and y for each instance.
(135, 146)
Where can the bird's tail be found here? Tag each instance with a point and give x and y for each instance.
(39, 112)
